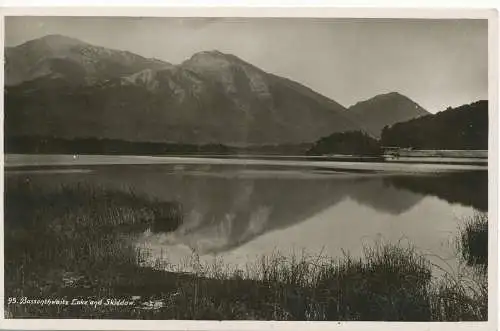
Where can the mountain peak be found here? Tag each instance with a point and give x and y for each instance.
(391, 97)
(392, 94)
(56, 36)
(55, 41)
(210, 53)
(212, 58)
(381, 97)
(385, 110)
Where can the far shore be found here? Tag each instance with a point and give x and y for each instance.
(401, 165)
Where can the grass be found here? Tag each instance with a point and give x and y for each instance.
(474, 240)
(72, 243)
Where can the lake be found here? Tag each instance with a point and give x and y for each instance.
(238, 210)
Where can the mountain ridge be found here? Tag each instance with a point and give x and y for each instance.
(74, 60)
(82, 90)
(211, 97)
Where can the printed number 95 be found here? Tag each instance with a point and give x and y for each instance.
(12, 300)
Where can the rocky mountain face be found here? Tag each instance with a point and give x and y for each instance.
(61, 87)
(384, 110)
(60, 57)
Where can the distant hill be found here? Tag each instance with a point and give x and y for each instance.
(384, 109)
(464, 127)
(63, 88)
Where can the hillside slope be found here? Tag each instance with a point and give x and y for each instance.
(464, 127)
(210, 98)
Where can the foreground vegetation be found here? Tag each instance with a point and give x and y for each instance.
(474, 240)
(73, 243)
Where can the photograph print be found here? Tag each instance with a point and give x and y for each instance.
(275, 169)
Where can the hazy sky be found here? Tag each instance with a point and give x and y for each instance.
(437, 63)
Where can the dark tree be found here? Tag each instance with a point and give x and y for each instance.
(464, 127)
(347, 143)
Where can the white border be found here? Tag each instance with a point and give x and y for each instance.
(211, 11)
(2, 307)
(257, 3)
(320, 12)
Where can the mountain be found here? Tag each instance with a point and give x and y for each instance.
(384, 109)
(69, 59)
(464, 127)
(212, 97)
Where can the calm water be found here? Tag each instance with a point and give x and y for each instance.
(238, 213)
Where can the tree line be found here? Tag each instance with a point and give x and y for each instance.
(464, 127)
(461, 128)
(54, 145)
(348, 143)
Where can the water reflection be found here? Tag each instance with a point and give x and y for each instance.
(226, 207)
(467, 188)
(380, 195)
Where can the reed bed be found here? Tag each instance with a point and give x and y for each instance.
(474, 239)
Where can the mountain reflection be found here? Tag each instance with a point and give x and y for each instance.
(226, 207)
(466, 188)
(383, 197)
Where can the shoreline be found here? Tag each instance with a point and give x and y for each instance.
(19, 161)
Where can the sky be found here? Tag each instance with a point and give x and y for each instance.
(436, 63)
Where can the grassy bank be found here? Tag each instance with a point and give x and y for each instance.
(474, 240)
(72, 243)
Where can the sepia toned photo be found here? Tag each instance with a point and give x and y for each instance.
(246, 168)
